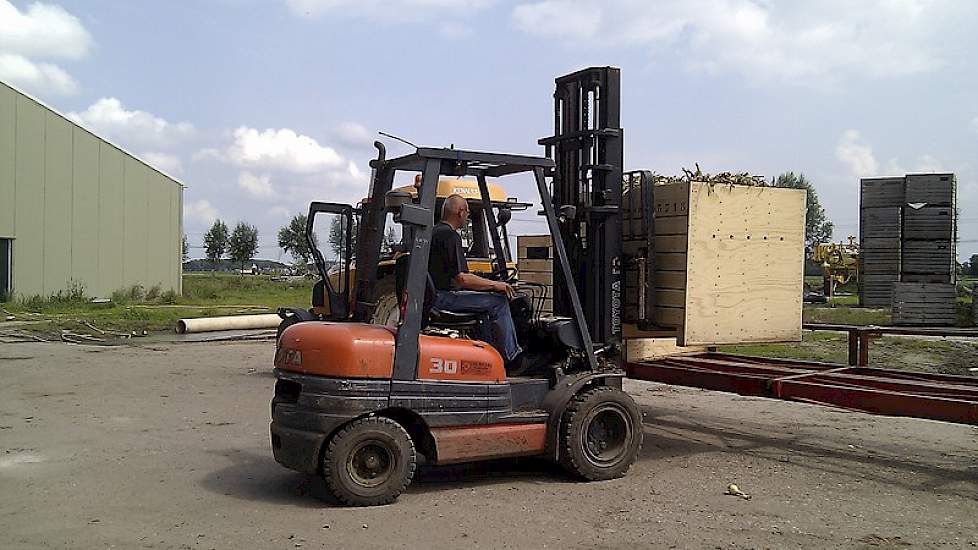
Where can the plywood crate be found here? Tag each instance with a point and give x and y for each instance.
(744, 264)
(728, 263)
(924, 304)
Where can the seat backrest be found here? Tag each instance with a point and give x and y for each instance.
(400, 282)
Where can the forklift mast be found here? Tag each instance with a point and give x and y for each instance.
(586, 190)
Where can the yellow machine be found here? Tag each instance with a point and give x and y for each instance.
(479, 251)
(839, 262)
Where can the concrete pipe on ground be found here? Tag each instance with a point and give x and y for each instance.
(230, 322)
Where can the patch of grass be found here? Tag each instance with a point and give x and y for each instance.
(154, 309)
(832, 313)
(890, 352)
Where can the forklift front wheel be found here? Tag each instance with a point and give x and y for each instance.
(601, 434)
(369, 462)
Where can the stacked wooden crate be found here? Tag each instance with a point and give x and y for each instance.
(907, 247)
(535, 265)
(928, 254)
(926, 294)
(881, 203)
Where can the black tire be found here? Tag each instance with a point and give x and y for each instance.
(388, 310)
(600, 434)
(369, 462)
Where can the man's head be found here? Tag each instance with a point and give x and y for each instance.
(455, 211)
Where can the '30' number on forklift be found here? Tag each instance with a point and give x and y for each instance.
(443, 366)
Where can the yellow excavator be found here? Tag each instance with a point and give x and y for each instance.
(839, 263)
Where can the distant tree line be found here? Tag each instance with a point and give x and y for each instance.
(239, 246)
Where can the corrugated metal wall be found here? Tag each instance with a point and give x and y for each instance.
(80, 209)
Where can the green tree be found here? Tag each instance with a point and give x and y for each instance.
(186, 248)
(818, 229)
(971, 266)
(292, 239)
(216, 242)
(243, 243)
(336, 238)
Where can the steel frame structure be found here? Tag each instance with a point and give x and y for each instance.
(879, 391)
(419, 218)
(587, 150)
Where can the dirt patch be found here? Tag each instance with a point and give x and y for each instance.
(171, 450)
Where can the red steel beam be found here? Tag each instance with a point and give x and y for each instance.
(880, 391)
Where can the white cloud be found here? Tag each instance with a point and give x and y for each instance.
(108, 117)
(558, 18)
(389, 11)
(354, 135)
(42, 32)
(45, 31)
(170, 164)
(806, 42)
(929, 163)
(974, 124)
(201, 212)
(277, 149)
(259, 187)
(280, 212)
(856, 155)
(36, 77)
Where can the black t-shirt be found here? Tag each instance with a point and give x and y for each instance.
(446, 258)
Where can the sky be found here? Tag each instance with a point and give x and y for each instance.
(261, 106)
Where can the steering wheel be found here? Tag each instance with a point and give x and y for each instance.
(508, 277)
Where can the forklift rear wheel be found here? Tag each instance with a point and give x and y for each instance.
(601, 433)
(387, 312)
(369, 462)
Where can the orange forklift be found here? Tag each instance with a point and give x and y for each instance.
(363, 405)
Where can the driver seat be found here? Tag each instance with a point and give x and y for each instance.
(432, 317)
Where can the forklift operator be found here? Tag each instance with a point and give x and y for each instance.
(459, 291)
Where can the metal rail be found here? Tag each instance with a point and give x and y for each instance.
(860, 336)
(879, 391)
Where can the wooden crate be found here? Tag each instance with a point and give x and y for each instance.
(881, 192)
(928, 257)
(924, 304)
(744, 265)
(728, 263)
(880, 223)
(931, 189)
(534, 261)
(928, 222)
(876, 290)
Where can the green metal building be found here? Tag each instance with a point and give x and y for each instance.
(76, 209)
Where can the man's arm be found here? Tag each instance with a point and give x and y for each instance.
(471, 281)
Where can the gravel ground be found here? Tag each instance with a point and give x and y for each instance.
(166, 446)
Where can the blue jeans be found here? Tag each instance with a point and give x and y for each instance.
(497, 327)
